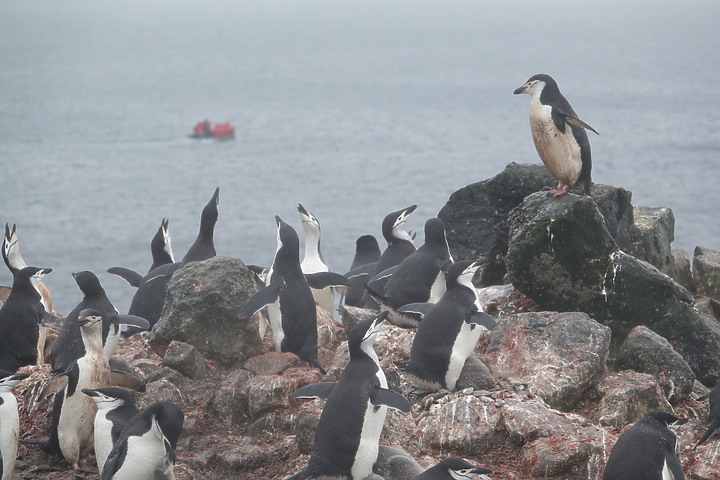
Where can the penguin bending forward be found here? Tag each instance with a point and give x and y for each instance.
(347, 436)
(559, 135)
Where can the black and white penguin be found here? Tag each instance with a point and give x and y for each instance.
(714, 417)
(419, 278)
(115, 408)
(646, 451)
(399, 245)
(448, 332)
(313, 261)
(204, 245)
(453, 468)
(77, 411)
(367, 253)
(146, 448)
(347, 436)
(15, 262)
(559, 135)
(9, 422)
(149, 299)
(290, 304)
(20, 318)
(162, 254)
(68, 347)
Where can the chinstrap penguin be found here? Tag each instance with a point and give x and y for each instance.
(347, 436)
(313, 261)
(15, 262)
(162, 254)
(559, 135)
(367, 253)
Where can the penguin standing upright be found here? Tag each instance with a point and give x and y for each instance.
(313, 261)
(646, 451)
(20, 318)
(15, 262)
(399, 245)
(9, 422)
(290, 304)
(149, 299)
(347, 436)
(115, 408)
(367, 253)
(162, 254)
(714, 417)
(77, 414)
(419, 278)
(559, 135)
(448, 332)
(69, 345)
(146, 448)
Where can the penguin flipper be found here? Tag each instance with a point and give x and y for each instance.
(714, 425)
(560, 117)
(264, 296)
(321, 280)
(383, 396)
(130, 276)
(133, 320)
(114, 460)
(387, 273)
(357, 272)
(420, 309)
(314, 390)
(482, 319)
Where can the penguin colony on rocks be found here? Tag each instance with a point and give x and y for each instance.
(423, 289)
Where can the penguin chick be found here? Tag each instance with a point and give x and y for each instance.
(559, 135)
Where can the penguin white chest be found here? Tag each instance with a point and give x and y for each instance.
(373, 422)
(103, 439)
(146, 454)
(9, 430)
(462, 348)
(558, 150)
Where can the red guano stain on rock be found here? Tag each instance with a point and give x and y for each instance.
(198, 287)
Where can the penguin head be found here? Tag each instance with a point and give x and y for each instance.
(11, 250)
(88, 283)
(88, 319)
(461, 469)
(667, 418)
(308, 218)
(33, 275)
(362, 336)
(9, 379)
(169, 418)
(435, 232)
(109, 398)
(161, 241)
(209, 215)
(393, 225)
(535, 85)
(462, 272)
(288, 244)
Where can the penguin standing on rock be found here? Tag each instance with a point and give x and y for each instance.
(559, 135)
(9, 422)
(448, 333)
(146, 449)
(347, 436)
(646, 451)
(77, 413)
(115, 408)
(20, 318)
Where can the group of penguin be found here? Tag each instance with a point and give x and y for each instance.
(419, 288)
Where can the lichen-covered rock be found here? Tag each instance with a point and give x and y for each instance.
(651, 236)
(647, 352)
(680, 270)
(628, 396)
(185, 358)
(204, 307)
(559, 355)
(706, 272)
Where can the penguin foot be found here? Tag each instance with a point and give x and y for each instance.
(559, 191)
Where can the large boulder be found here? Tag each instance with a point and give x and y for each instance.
(204, 308)
(650, 238)
(647, 352)
(562, 256)
(559, 355)
(628, 396)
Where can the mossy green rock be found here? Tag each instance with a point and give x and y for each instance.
(204, 308)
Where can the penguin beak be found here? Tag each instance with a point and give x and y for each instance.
(520, 89)
(90, 392)
(19, 376)
(480, 470)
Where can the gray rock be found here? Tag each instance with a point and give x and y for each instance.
(563, 258)
(628, 396)
(680, 270)
(559, 355)
(706, 272)
(229, 405)
(185, 358)
(204, 306)
(645, 351)
(651, 236)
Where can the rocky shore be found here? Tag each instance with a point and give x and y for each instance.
(599, 322)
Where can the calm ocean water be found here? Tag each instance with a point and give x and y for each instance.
(353, 109)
